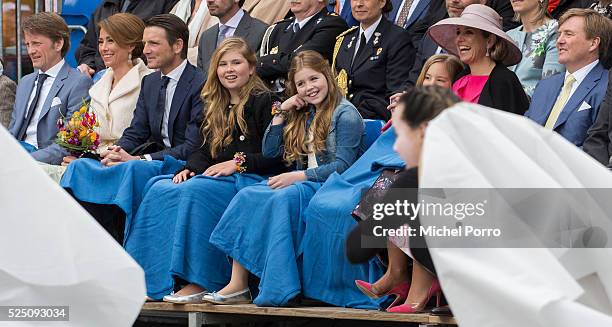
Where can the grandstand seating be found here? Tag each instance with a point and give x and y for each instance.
(77, 13)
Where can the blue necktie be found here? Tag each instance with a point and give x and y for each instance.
(32, 108)
(161, 100)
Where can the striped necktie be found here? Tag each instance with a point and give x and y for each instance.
(403, 15)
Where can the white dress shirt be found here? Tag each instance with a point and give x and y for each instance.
(340, 6)
(580, 75)
(303, 22)
(174, 76)
(232, 24)
(44, 92)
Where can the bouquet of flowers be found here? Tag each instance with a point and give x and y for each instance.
(78, 135)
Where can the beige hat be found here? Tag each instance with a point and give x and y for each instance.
(476, 16)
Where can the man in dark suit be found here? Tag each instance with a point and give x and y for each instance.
(599, 137)
(87, 55)
(312, 28)
(343, 9)
(411, 15)
(372, 60)
(166, 122)
(406, 13)
(427, 47)
(233, 21)
(169, 109)
(568, 102)
(54, 91)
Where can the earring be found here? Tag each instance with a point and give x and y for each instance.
(130, 57)
(488, 54)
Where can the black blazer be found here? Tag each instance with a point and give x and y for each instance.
(597, 143)
(319, 34)
(258, 115)
(184, 120)
(502, 91)
(377, 72)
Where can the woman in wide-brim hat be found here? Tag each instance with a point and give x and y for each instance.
(477, 38)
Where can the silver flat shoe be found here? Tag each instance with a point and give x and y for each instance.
(240, 297)
(185, 299)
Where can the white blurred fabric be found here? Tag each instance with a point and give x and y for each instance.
(53, 253)
(470, 146)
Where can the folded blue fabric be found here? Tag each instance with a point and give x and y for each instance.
(122, 185)
(262, 229)
(28, 147)
(169, 235)
(327, 275)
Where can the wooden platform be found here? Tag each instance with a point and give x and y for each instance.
(197, 310)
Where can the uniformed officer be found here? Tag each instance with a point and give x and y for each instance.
(372, 60)
(312, 28)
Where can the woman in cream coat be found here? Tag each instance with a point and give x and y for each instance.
(114, 96)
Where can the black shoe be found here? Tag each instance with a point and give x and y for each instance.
(442, 311)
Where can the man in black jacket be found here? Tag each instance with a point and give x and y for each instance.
(87, 55)
(312, 28)
(598, 142)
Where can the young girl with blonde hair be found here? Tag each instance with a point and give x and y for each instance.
(318, 132)
(169, 235)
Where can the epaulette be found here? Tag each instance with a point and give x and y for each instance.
(286, 20)
(346, 32)
(265, 41)
(332, 13)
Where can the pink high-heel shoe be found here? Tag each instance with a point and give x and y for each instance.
(434, 289)
(400, 291)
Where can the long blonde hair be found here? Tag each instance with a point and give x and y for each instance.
(219, 123)
(295, 134)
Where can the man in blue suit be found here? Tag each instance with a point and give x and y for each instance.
(54, 91)
(166, 123)
(406, 13)
(169, 109)
(343, 9)
(568, 102)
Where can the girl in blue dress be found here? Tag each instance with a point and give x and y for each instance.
(169, 235)
(319, 132)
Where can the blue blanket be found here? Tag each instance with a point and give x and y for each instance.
(28, 147)
(326, 273)
(169, 235)
(262, 229)
(121, 185)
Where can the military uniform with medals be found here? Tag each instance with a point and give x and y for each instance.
(376, 72)
(281, 41)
